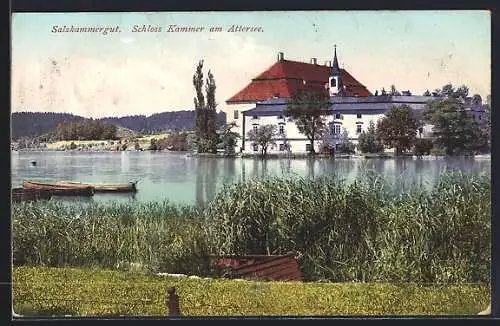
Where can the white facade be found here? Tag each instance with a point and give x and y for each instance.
(297, 141)
(234, 113)
(351, 114)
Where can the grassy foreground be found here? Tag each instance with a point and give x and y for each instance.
(92, 292)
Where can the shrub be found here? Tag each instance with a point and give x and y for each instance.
(422, 146)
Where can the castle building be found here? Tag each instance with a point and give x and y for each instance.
(352, 106)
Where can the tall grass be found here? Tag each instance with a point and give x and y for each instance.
(361, 231)
(155, 236)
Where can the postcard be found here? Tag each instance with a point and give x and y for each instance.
(284, 163)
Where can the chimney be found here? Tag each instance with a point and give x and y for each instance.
(281, 56)
(313, 61)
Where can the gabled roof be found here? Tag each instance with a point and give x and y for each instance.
(285, 78)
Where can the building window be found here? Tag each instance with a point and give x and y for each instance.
(333, 82)
(308, 148)
(255, 117)
(255, 147)
(336, 129)
(338, 116)
(235, 114)
(358, 129)
(358, 116)
(280, 117)
(281, 129)
(255, 128)
(282, 147)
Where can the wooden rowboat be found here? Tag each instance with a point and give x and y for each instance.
(60, 189)
(20, 194)
(104, 187)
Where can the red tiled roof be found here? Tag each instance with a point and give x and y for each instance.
(285, 78)
(273, 267)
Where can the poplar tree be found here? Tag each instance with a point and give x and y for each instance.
(205, 111)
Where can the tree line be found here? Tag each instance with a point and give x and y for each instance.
(83, 130)
(455, 129)
(33, 124)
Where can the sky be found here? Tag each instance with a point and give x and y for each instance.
(128, 73)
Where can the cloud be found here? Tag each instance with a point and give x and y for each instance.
(127, 40)
(135, 84)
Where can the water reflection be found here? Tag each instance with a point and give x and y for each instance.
(190, 180)
(206, 180)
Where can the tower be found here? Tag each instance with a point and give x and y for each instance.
(334, 81)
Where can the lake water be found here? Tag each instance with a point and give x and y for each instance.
(189, 180)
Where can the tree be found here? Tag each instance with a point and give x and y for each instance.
(449, 91)
(454, 128)
(487, 117)
(367, 141)
(394, 91)
(398, 129)
(427, 93)
(263, 136)
(345, 144)
(486, 126)
(199, 105)
(176, 141)
(477, 100)
(383, 92)
(205, 112)
(308, 110)
(228, 138)
(461, 92)
(211, 114)
(153, 146)
(422, 146)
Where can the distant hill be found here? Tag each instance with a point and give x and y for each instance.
(29, 124)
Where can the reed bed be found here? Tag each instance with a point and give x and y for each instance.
(362, 231)
(154, 236)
